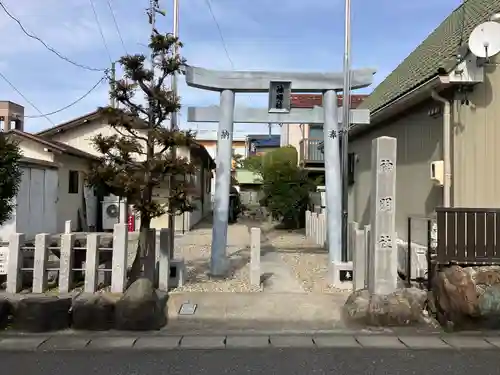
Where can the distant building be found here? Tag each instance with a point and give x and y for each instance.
(259, 144)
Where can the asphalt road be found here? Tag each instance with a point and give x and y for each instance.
(254, 361)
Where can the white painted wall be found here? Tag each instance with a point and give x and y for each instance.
(69, 204)
(36, 210)
(212, 150)
(295, 133)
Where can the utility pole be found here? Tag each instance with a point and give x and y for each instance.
(112, 85)
(346, 123)
(173, 125)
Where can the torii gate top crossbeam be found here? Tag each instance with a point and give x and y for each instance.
(257, 81)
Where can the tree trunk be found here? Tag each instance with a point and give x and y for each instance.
(137, 269)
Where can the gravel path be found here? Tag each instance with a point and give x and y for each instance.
(194, 247)
(308, 262)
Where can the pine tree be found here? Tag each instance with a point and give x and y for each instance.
(10, 175)
(138, 159)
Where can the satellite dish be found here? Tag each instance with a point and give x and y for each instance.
(484, 41)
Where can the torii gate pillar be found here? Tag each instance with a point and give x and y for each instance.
(218, 259)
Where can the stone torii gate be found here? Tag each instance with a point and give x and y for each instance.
(280, 86)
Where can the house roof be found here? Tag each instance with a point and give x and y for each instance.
(197, 148)
(436, 52)
(58, 146)
(75, 123)
(311, 100)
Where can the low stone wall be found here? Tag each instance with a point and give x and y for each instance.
(404, 307)
(140, 308)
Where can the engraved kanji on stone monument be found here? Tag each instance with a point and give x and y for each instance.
(386, 165)
(333, 134)
(224, 134)
(385, 204)
(385, 241)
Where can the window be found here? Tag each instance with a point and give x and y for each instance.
(73, 182)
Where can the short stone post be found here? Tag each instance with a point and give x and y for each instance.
(15, 263)
(358, 250)
(383, 249)
(164, 259)
(308, 224)
(119, 262)
(66, 263)
(67, 226)
(41, 255)
(314, 225)
(92, 263)
(321, 228)
(255, 257)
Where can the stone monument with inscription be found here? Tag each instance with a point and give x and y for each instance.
(279, 85)
(382, 263)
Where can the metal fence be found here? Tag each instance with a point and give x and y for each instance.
(422, 235)
(468, 236)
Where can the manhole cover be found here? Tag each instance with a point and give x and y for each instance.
(187, 309)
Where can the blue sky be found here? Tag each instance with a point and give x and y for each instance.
(287, 35)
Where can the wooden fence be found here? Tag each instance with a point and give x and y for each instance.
(468, 236)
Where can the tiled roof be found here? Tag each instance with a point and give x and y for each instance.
(311, 100)
(437, 51)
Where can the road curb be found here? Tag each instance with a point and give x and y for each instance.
(41, 343)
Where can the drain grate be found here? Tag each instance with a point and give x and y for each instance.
(188, 308)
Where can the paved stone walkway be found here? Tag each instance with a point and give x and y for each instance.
(277, 275)
(81, 342)
(257, 312)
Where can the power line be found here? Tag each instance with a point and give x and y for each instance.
(25, 98)
(72, 103)
(116, 25)
(33, 36)
(220, 33)
(100, 30)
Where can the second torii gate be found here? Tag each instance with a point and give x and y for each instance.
(280, 86)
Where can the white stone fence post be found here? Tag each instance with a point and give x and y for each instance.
(316, 227)
(17, 251)
(255, 271)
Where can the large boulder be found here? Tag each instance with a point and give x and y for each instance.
(42, 314)
(142, 308)
(468, 297)
(402, 308)
(93, 312)
(489, 307)
(5, 312)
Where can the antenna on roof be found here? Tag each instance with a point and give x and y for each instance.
(484, 41)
